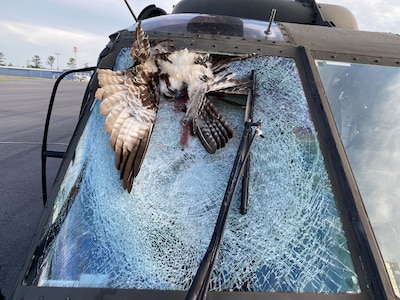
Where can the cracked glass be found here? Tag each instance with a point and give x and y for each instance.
(290, 240)
(364, 100)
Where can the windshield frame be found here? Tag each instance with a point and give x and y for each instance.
(332, 150)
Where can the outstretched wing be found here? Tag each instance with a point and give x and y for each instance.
(130, 104)
(212, 129)
(130, 100)
(130, 107)
(207, 123)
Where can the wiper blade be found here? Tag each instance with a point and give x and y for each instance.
(246, 174)
(199, 287)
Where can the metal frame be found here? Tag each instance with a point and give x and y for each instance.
(49, 153)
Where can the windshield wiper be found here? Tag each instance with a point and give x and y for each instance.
(246, 173)
(199, 287)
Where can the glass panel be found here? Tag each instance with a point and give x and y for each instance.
(365, 103)
(209, 24)
(290, 240)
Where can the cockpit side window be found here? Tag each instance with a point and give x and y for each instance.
(365, 103)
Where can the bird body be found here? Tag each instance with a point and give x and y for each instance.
(130, 99)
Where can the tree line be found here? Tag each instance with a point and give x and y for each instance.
(36, 62)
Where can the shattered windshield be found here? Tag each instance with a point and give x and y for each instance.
(154, 237)
(365, 102)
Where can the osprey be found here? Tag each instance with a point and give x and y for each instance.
(130, 99)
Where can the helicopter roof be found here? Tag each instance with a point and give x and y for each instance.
(298, 11)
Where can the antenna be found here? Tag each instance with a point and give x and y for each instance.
(271, 20)
(130, 9)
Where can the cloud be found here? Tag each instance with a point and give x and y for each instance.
(48, 36)
(31, 39)
(102, 7)
(373, 15)
(49, 26)
(42, 35)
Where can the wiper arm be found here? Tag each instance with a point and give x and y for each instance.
(199, 287)
(246, 174)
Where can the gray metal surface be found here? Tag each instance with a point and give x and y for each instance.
(362, 46)
(24, 104)
(302, 12)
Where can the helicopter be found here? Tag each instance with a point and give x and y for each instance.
(299, 203)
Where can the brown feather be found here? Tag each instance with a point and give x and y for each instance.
(211, 127)
(141, 45)
(109, 103)
(129, 101)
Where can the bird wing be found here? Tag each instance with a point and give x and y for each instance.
(129, 100)
(213, 130)
(205, 120)
(207, 123)
(130, 107)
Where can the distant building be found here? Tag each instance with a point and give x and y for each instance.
(29, 72)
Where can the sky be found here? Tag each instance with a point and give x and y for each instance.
(47, 27)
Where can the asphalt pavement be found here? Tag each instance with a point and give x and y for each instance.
(24, 103)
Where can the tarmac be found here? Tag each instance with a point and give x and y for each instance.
(24, 103)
